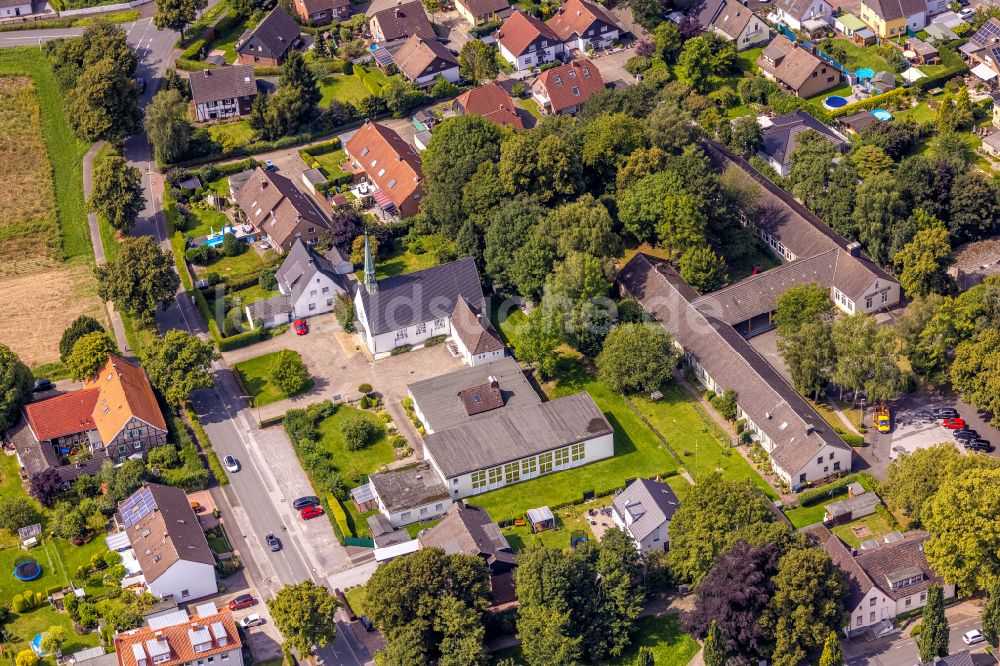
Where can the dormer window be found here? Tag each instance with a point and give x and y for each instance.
(364, 152)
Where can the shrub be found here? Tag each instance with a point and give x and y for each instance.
(365, 389)
(26, 658)
(637, 65)
(18, 604)
(300, 427)
(232, 246)
(201, 255)
(517, 90)
(267, 280)
(339, 517)
(397, 441)
(344, 310)
(289, 373)
(401, 349)
(359, 432)
(435, 340)
(365, 402)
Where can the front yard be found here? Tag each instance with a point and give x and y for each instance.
(255, 375)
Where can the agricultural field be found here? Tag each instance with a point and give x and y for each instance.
(43, 228)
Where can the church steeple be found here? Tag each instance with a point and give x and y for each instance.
(370, 284)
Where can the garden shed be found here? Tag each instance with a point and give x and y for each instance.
(541, 519)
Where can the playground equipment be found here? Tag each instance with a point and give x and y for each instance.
(27, 569)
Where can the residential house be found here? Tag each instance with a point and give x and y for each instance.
(712, 329)
(424, 60)
(991, 144)
(801, 14)
(584, 25)
(469, 530)
(409, 495)
(391, 164)
(13, 8)
(269, 42)
(308, 282)
(982, 51)
(526, 42)
(737, 23)
(886, 577)
(168, 544)
(847, 24)
(279, 210)
(644, 511)
(393, 25)
(891, 18)
(564, 89)
(321, 12)
(225, 92)
(792, 65)
(208, 635)
(963, 658)
(940, 33)
(482, 12)
(995, 97)
(779, 138)
(491, 102)
(883, 82)
(410, 308)
(114, 417)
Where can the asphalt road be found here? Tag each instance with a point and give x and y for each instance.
(903, 652)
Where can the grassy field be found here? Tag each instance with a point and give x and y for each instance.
(330, 163)
(567, 520)
(921, 113)
(27, 625)
(44, 239)
(254, 294)
(397, 261)
(876, 524)
(803, 516)
(241, 264)
(208, 220)
(530, 106)
(343, 88)
(255, 373)
(226, 41)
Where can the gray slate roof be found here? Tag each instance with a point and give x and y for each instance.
(779, 140)
(649, 503)
(773, 404)
(270, 307)
(408, 487)
(963, 658)
(847, 506)
(212, 85)
(469, 530)
(506, 434)
(439, 401)
(276, 34)
(300, 266)
(412, 298)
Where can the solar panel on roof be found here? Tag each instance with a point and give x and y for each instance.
(382, 57)
(136, 507)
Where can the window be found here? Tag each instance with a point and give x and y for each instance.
(311, 230)
(836, 466)
(885, 297)
(512, 472)
(185, 593)
(312, 306)
(826, 469)
(438, 507)
(326, 290)
(802, 478)
(224, 657)
(819, 461)
(860, 620)
(421, 327)
(478, 479)
(576, 451)
(312, 293)
(381, 172)
(529, 466)
(402, 334)
(423, 511)
(871, 617)
(439, 323)
(364, 151)
(545, 462)
(576, 91)
(909, 600)
(871, 602)
(121, 448)
(868, 303)
(562, 456)
(496, 474)
(923, 597)
(390, 184)
(329, 302)
(454, 482)
(373, 163)
(405, 515)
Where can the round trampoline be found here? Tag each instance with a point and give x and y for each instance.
(882, 114)
(865, 73)
(834, 102)
(27, 569)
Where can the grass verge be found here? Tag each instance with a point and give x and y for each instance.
(255, 374)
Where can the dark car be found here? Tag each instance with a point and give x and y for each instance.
(979, 444)
(141, 84)
(42, 385)
(303, 502)
(965, 434)
(242, 601)
(366, 623)
(273, 543)
(945, 413)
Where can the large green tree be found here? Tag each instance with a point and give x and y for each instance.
(607, 141)
(583, 225)
(89, 355)
(802, 304)
(16, 383)
(510, 227)
(177, 14)
(139, 280)
(832, 654)
(695, 64)
(933, 639)
(178, 364)
(991, 615)
(703, 269)
(669, 128)
(288, 372)
(714, 651)
(305, 614)
(478, 62)
(80, 327)
(456, 150)
(637, 357)
(104, 104)
(167, 125)
(536, 343)
(879, 208)
(659, 207)
(973, 372)
(808, 352)
(913, 479)
(117, 195)
(865, 356)
(924, 261)
(540, 164)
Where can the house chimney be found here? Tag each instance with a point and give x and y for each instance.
(854, 249)
(493, 382)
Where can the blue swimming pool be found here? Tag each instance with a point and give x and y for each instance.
(834, 102)
(882, 114)
(213, 242)
(865, 73)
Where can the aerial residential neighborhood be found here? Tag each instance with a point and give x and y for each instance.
(487, 332)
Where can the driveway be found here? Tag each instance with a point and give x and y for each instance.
(612, 67)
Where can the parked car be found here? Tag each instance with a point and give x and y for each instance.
(945, 413)
(966, 13)
(269, 165)
(366, 623)
(251, 621)
(301, 327)
(973, 636)
(264, 245)
(954, 423)
(979, 444)
(311, 512)
(231, 464)
(141, 83)
(196, 507)
(965, 434)
(42, 385)
(272, 542)
(242, 601)
(303, 502)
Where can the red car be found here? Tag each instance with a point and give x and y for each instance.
(301, 328)
(242, 601)
(953, 424)
(311, 512)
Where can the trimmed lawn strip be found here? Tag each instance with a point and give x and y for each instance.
(109, 238)
(241, 264)
(803, 516)
(398, 261)
(237, 134)
(255, 375)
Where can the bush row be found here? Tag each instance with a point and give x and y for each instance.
(823, 493)
(339, 516)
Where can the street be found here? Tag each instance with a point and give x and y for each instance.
(896, 651)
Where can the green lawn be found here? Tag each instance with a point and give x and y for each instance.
(207, 221)
(803, 516)
(875, 523)
(921, 113)
(248, 262)
(65, 151)
(236, 133)
(226, 41)
(255, 373)
(863, 56)
(747, 60)
(509, 321)
(26, 626)
(398, 261)
(567, 520)
(350, 463)
(530, 106)
(844, 89)
(330, 163)
(343, 88)
(637, 453)
(356, 598)
(254, 294)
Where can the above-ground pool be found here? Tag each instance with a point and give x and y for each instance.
(36, 644)
(865, 73)
(834, 102)
(213, 242)
(27, 569)
(882, 114)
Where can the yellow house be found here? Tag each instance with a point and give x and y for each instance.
(481, 12)
(890, 18)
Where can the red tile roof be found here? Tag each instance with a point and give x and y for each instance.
(62, 415)
(520, 30)
(493, 103)
(130, 644)
(571, 84)
(388, 160)
(577, 16)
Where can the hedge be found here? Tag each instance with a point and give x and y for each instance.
(241, 281)
(485, 29)
(873, 102)
(823, 493)
(330, 146)
(339, 517)
(262, 70)
(242, 339)
(401, 349)
(435, 340)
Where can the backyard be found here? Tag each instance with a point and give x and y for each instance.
(256, 376)
(863, 56)
(869, 527)
(231, 134)
(343, 88)
(395, 261)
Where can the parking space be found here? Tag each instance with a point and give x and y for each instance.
(612, 67)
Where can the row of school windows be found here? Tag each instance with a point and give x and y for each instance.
(543, 463)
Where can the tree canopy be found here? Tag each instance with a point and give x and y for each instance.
(179, 364)
(140, 279)
(637, 357)
(305, 613)
(16, 383)
(117, 195)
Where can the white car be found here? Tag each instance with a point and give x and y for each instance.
(966, 13)
(251, 621)
(231, 464)
(973, 636)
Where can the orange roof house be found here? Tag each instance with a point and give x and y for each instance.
(564, 89)
(62, 415)
(492, 103)
(177, 638)
(125, 394)
(391, 163)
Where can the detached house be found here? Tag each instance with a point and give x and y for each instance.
(802, 73)
(983, 51)
(321, 12)
(270, 41)
(208, 635)
(779, 138)
(491, 102)
(644, 511)
(564, 89)
(391, 164)
(424, 60)
(582, 24)
(738, 24)
(807, 14)
(891, 18)
(526, 42)
(887, 577)
(393, 25)
(277, 209)
(226, 92)
(13, 8)
(481, 12)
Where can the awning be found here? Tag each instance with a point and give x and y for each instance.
(383, 200)
(118, 541)
(984, 72)
(913, 74)
(969, 48)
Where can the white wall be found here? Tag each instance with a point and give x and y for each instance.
(532, 58)
(600, 40)
(411, 335)
(815, 469)
(657, 540)
(477, 359)
(871, 610)
(226, 108)
(450, 74)
(320, 295)
(23, 9)
(414, 514)
(195, 577)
